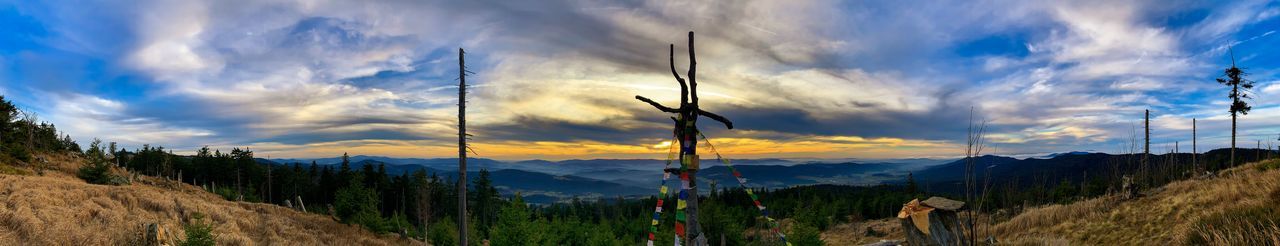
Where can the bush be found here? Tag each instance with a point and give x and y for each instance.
(19, 153)
(443, 233)
(514, 226)
(100, 173)
(96, 169)
(804, 235)
(198, 232)
(1269, 165)
(356, 204)
(813, 216)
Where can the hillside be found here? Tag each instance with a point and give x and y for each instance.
(57, 208)
(1239, 201)
(1237, 207)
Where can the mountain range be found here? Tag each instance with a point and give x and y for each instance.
(548, 181)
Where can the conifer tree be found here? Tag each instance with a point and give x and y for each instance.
(1234, 77)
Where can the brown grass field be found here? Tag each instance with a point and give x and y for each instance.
(1239, 207)
(1170, 215)
(59, 209)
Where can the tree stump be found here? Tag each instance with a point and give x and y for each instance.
(1128, 190)
(932, 222)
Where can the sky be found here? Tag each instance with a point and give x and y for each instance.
(557, 79)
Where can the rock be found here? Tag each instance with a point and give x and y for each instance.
(155, 235)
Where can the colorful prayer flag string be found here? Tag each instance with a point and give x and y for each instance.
(662, 193)
(742, 182)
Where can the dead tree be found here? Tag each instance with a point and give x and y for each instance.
(974, 145)
(686, 129)
(424, 208)
(1146, 146)
(462, 149)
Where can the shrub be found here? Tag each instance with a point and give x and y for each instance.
(100, 173)
(1268, 165)
(19, 153)
(356, 204)
(813, 216)
(443, 233)
(804, 235)
(198, 232)
(96, 169)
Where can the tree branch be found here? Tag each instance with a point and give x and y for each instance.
(656, 105)
(684, 90)
(716, 117)
(693, 68)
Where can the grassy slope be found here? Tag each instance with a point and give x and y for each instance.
(1163, 216)
(60, 209)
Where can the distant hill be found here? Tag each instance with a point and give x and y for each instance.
(805, 174)
(594, 178)
(510, 181)
(1072, 166)
(1050, 156)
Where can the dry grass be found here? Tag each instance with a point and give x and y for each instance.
(1165, 215)
(59, 209)
(856, 233)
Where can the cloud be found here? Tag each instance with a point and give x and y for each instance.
(851, 78)
(85, 115)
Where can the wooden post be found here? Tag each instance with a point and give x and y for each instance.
(462, 149)
(1194, 152)
(1146, 148)
(687, 136)
(269, 193)
(300, 205)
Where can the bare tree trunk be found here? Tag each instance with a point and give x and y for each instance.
(1235, 99)
(462, 149)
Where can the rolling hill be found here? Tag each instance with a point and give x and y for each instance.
(59, 209)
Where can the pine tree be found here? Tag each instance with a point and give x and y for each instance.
(911, 184)
(484, 198)
(1234, 77)
(513, 226)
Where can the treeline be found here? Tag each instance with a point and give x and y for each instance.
(1073, 178)
(424, 205)
(420, 204)
(22, 134)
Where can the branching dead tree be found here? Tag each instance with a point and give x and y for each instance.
(686, 128)
(974, 144)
